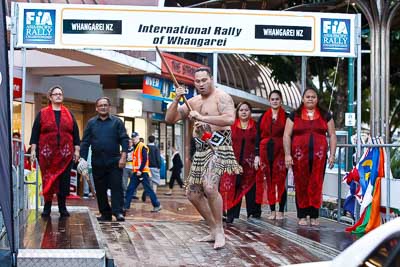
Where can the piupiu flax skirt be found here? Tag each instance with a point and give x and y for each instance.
(223, 161)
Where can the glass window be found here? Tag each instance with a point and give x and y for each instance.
(155, 128)
(163, 139)
(129, 127)
(387, 254)
(140, 127)
(179, 138)
(17, 120)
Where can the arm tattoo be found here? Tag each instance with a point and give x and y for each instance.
(225, 103)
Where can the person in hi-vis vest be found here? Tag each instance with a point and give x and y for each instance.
(140, 173)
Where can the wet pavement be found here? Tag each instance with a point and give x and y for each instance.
(167, 238)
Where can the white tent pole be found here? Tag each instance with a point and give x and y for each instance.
(215, 67)
(358, 86)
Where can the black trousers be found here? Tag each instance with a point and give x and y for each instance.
(252, 208)
(172, 179)
(282, 203)
(310, 211)
(65, 180)
(108, 177)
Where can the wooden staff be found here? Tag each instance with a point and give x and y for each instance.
(173, 77)
(208, 134)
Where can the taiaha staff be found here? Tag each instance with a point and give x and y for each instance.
(206, 135)
(173, 77)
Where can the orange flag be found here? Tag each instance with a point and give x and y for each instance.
(375, 217)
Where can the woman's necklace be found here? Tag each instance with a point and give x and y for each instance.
(310, 114)
(243, 124)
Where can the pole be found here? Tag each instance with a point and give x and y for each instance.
(358, 86)
(339, 200)
(358, 38)
(215, 67)
(303, 74)
(388, 179)
(350, 109)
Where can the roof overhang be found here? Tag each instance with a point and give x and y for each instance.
(50, 62)
(239, 95)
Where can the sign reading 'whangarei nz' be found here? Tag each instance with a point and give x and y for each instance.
(79, 26)
(193, 30)
(283, 32)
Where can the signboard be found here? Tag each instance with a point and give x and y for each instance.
(73, 186)
(350, 119)
(161, 89)
(17, 91)
(186, 29)
(132, 108)
(183, 69)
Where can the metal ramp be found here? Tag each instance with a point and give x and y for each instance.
(72, 241)
(61, 257)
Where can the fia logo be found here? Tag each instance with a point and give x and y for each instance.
(39, 18)
(335, 27)
(335, 35)
(39, 26)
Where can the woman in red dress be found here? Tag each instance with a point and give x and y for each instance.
(234, 187)
(306, 149)
(55, 141)
(270, 157)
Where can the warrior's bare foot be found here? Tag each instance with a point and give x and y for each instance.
(272, 215)
(279, 215)
(207, 238)
(219, 240)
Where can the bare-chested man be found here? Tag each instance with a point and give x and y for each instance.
(211, 108)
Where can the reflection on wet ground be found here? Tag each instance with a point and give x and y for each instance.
(168, 238)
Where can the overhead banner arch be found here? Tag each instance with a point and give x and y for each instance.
(189, 30)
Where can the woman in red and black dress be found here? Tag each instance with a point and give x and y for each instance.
(55, 141)
(306, 149)
(234, 187)
(270, 157)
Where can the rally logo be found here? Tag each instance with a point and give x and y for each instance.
(39, 26)
(335, 35)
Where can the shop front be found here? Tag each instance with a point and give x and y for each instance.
(142, 100)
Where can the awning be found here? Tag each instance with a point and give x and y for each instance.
(253, 81)
(49, 62)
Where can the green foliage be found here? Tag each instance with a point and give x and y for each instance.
(395, 163)
(284, 69)
(288, 68)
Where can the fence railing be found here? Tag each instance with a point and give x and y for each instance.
(341, 172)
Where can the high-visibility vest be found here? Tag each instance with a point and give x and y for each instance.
(137, 158)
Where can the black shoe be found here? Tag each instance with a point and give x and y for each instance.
(104, 218)
(64, 213)
(144, 197)
(46, 210)
(257, 215)
(229, 219)
(135, 197)
(124, 212)
(120, 217)
(62, 208)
